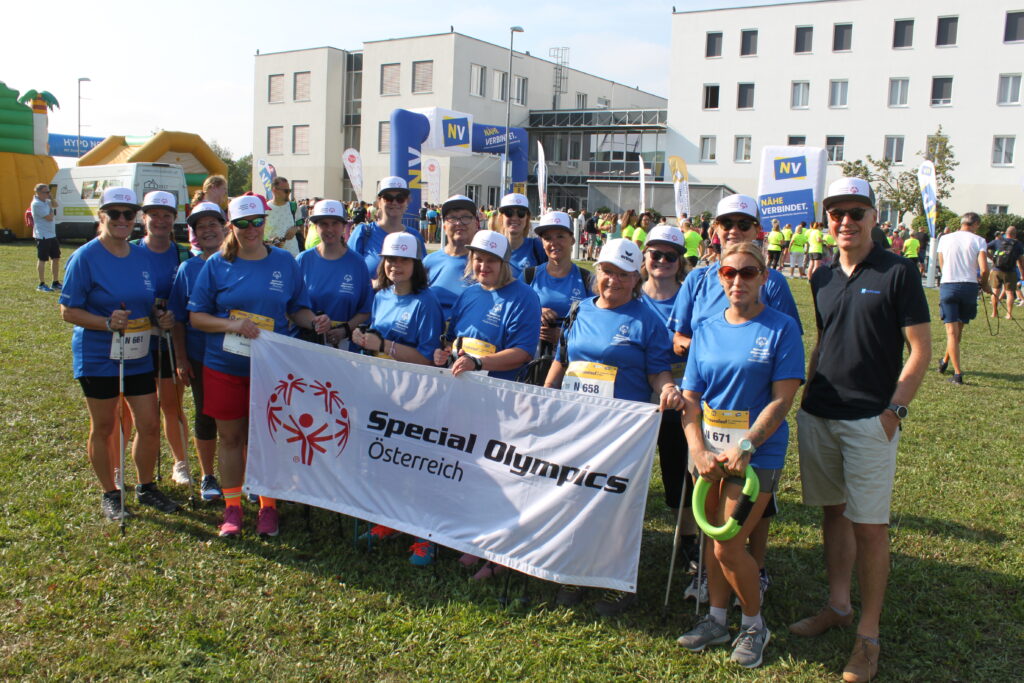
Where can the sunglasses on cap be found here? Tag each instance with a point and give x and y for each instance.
(515, 211)
(394, 197)
(839, 214)
(667, 256)
(746, 272)
(243, 223)
(743, 224)
(117, 214)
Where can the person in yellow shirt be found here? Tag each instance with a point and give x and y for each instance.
(774, 245)
(797, 249)
(815, 247)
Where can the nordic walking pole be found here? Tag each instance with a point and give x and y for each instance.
(700, 567)
(120, 426)
(675, 551)
(181, 420)
(159, 411)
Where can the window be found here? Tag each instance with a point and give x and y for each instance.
(837, 93)
(711, 97)
(384, 137)
(275, 140)
(300, 139)
(748, 42)
(893, 149)
(1002, 150)
(707, 148)
(473, 192)
(477, 80)
(300, 86)
(300, 189)
(834, 147)
(423, 77)
(945, 32)
(997, 209)
(898, 88)
(1014, 27)
(802, 42)
(801, 96)
(742, 149)
(500, 90)
(581, 100)
(713, 45)
(745, 96)
(1009, 89)
(796, 140)
(842, 37)
(275, 88)
(942, 91)
(603, 102)
(389, 79)
(493, 195)
(575, 146)
(519, 87)
(903, 33)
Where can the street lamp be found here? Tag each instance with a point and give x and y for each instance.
(508, 108)
(78, 148)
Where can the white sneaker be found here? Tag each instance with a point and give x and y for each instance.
(180, 474)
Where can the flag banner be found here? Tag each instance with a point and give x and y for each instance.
(354, 167)
(929, 193)
(792, 184)
(432, 179)
(643, 187)
(680, 185)
(267, 173)
(545, 482)
(542, 178)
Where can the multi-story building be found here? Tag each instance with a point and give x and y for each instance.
(856, 77)
(312, 104)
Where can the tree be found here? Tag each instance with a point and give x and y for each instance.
(940, 153)
(239, 171)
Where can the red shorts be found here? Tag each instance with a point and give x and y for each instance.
(225, 397)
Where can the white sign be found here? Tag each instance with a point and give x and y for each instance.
(432, 179)
(542, 178)
(792, 184)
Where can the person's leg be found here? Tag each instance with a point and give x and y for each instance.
(759, 541)
(231, 437)
(123, 416)
(55, 269)
(738, 566)
(840, 554)
(103, 423)
(996, 293)
(872, 541)
(952, 354)
(41, 270)
(147, 435)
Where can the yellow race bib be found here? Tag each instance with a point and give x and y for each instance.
(236, 343)
(592, 379)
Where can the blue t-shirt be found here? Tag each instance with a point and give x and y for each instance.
(340, 288)
(630, 338)
(702, 297)
(99, 282)
(412, 319)
(368, 239)
(733, 367)
(529, 253)
(165, 267)
(181, 290)
(270, 287)
(446, 277)
(558, 293)
(662, 308)
(506, 318)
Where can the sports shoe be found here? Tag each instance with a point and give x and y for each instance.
(691, 591)
(180, 473)
(210, 488)
(748, 648)
(569, 596)
(706, 632)
(957, 379)
(254, 498)
(110, 505)
(43, 288)
(149, 494)
(423, 553)
(822, 621)
(232, 524)
(379, 533)
(488, 571)
(614, 603)
(765, 580)
(56, 286)
(863, 663)
(943, 364)
(267, 522)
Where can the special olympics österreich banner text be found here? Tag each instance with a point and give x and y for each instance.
(550, 483)
(792, 184)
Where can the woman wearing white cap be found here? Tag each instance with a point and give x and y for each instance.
(109, 295)
(406, 326)
(336, 278)
(615, 346)
(392, 203)
(246, 287)
(514, 219)
(207, 224)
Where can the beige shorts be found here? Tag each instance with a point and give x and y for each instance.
(847, 461)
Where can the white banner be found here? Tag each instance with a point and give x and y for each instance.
(542, 178)
(354, 167)
(545, 482)
(680, 185)
(432, 178)
(643, 187)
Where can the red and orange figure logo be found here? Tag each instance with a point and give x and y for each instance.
(309, 416)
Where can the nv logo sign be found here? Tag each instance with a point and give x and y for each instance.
(792, 167)
(456, 132)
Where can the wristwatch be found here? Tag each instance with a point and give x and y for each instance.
(746, 447)
(901, 411)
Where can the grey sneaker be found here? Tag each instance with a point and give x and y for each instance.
(110, 505)
(149, 494)
(569, 596)
(706, 632)
(691, 591)
(748, 648)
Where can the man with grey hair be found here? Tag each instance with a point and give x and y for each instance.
(44, 231)
(963, 259)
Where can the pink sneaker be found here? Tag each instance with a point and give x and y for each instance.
(266, 522)
(232, 525)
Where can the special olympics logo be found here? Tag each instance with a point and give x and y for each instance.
(853, 189)
(309, 414)
(352, 158)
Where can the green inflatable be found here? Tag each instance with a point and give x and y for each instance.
(16, 132)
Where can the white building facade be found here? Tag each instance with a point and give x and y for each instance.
(857, 77)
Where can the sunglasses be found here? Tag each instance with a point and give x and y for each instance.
(117, 214)
(838, 214)
(743, 224)
(520, 213)
(243, 223)
(393, 197)
(667, 256)
(746, 272)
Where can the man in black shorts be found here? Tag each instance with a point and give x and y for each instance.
(44, 230)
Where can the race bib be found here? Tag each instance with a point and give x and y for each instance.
(723, 429)
(236, 343)
(136, 340)
(593, 379)
(478, 347)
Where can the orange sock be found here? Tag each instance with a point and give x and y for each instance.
(268, 502)
(232, 496)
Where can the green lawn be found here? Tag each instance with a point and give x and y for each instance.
(172, 601)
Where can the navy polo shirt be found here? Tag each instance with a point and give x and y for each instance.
(860, 334)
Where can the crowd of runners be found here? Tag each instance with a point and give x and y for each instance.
(698, 319)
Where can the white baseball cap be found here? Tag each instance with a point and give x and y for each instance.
(622, 253)
(401, 244)
(246, 205)
(392, 182)
(854, 189)
(668, 234)
(491, 242)
(554, 219)
(458, 201)
(203, 209)
(515, 199)
(113, 196)
(328, 208)
(737, 203)
(160, 199)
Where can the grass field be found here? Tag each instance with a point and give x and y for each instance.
(171, 601)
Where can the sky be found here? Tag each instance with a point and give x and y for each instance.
(189, 65)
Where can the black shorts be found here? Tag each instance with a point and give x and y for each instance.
(106, 387)
(692, 260)
(47, 248)
(814, 255)
(162, 358)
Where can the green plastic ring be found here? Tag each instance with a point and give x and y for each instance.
(751, 489)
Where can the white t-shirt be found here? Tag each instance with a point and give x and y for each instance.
(960, 251)
(279, 221)
(43, 229)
